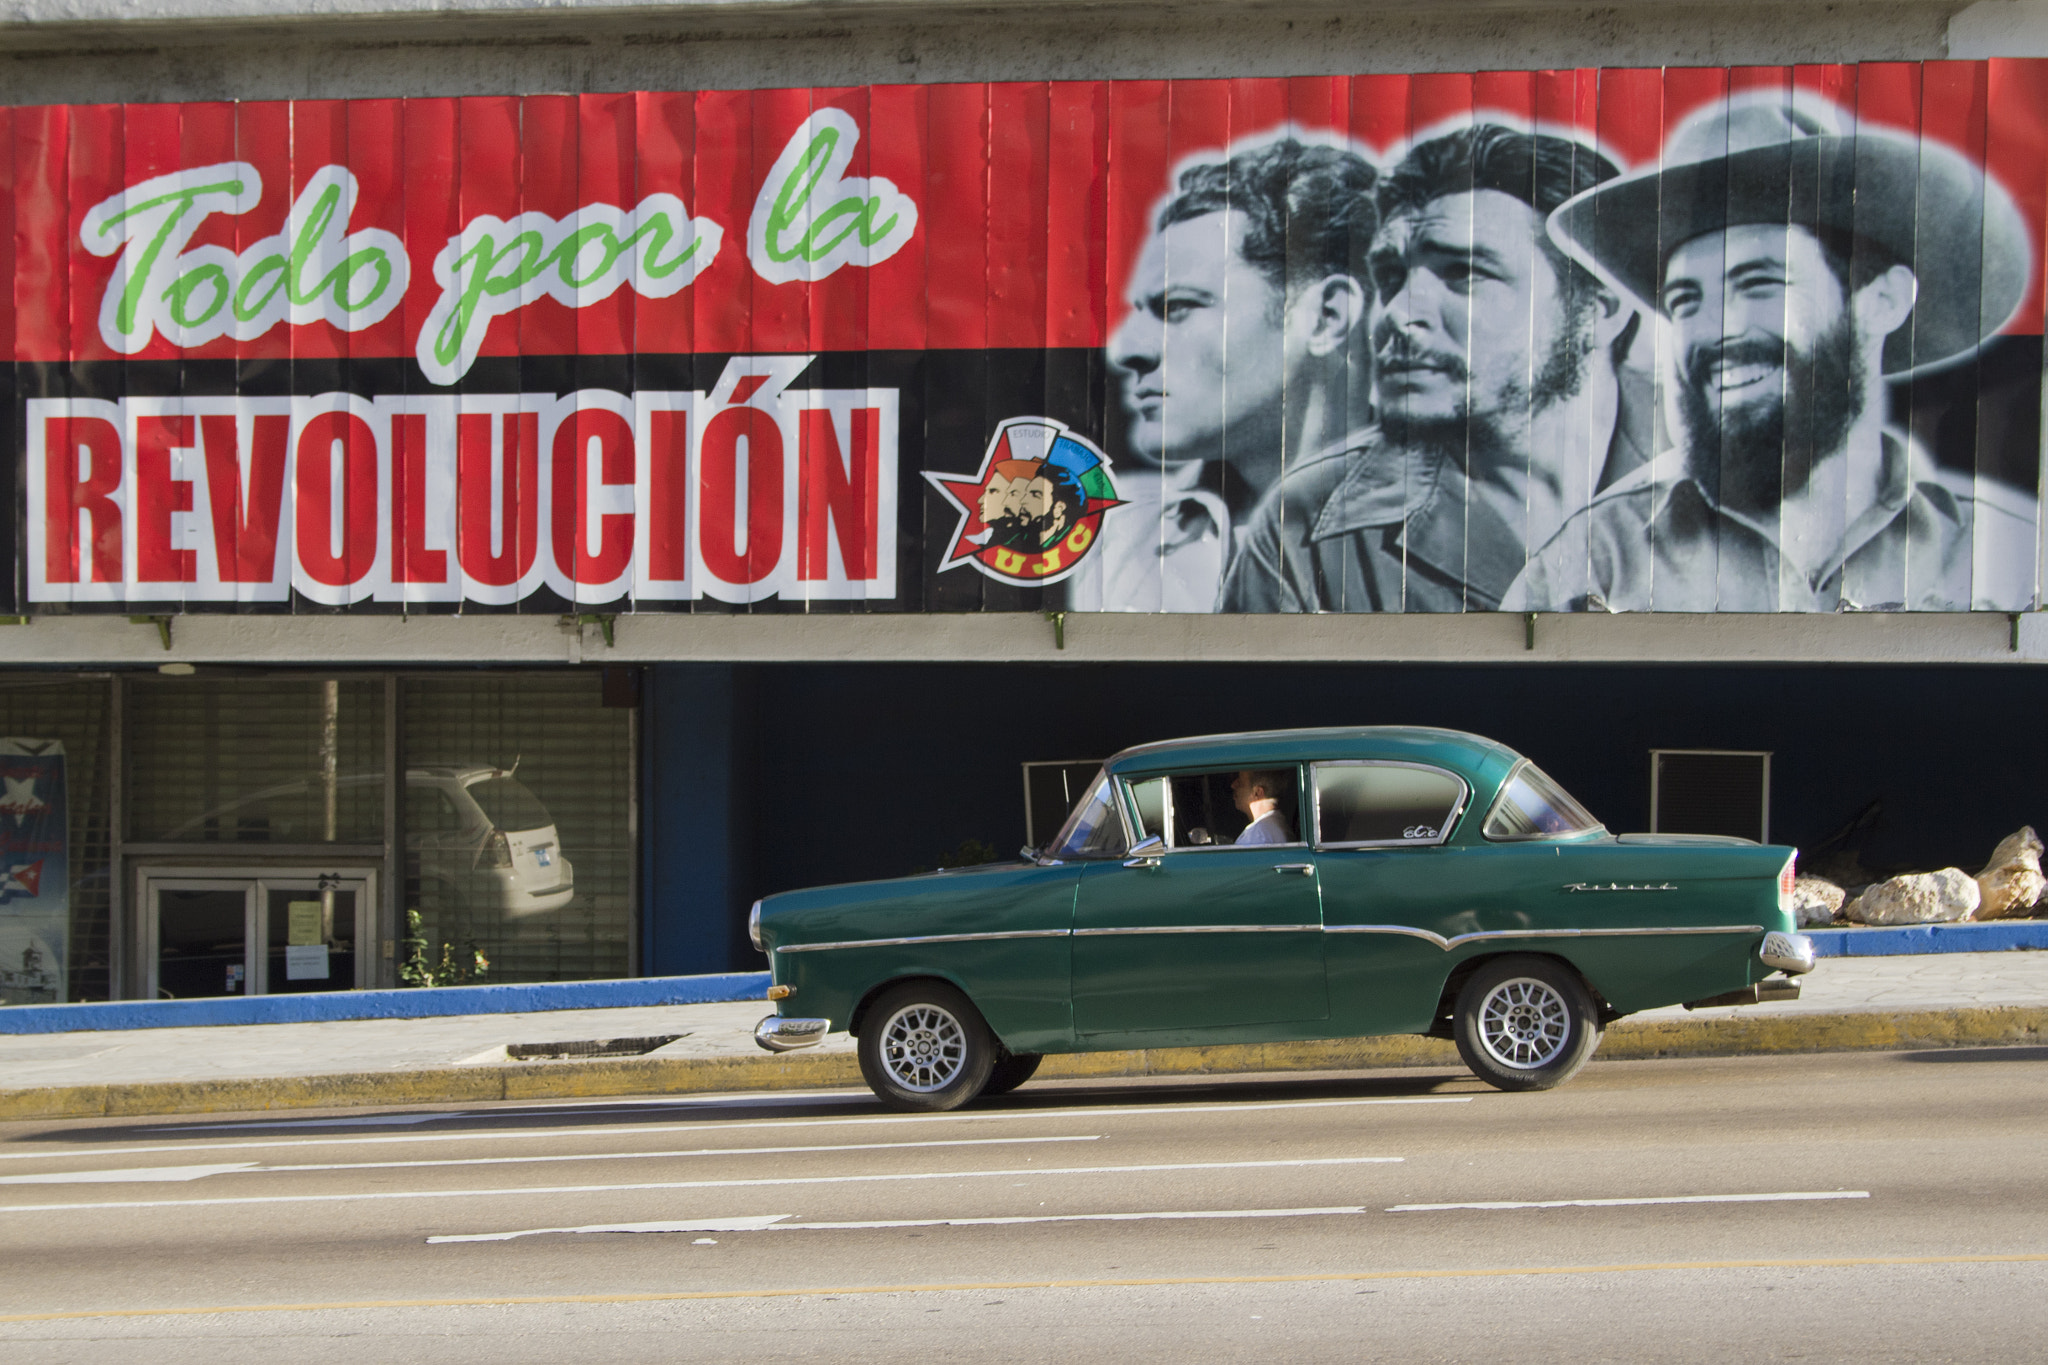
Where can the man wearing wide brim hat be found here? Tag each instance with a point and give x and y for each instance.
(1794, 270)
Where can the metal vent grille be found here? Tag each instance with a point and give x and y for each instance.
(1711, 791)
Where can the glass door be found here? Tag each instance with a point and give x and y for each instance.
(311, 929)
(199, 938)
(247, 931)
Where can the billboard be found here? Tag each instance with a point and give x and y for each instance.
(1745, 340)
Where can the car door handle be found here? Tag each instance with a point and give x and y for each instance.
(1304, 869)
(1141, 862)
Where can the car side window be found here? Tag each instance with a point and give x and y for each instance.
(1202, 810)
(1366, 804)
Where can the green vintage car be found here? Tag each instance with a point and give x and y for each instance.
(1286, 885)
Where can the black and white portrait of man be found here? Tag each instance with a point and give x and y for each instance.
(1243, 349)
(1496, 386)
(1795, 271)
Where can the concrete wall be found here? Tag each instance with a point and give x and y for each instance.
(147, 50)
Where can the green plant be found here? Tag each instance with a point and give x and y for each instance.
(972, 853)
(450, 969)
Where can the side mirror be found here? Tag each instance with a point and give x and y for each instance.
(1028, 854)
(1145, 853)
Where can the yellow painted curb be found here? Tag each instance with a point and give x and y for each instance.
(1631, 1039)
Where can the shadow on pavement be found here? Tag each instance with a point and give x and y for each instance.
(1050, 1095)
(1979, 1054)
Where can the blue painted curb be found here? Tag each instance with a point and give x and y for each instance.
(322, 1006)
(1999, 936)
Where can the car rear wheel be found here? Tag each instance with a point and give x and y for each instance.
(925, 1047)
(1011, 1070)
(1526, 1023)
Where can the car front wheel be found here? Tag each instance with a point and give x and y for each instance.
(1526, 1023)
(925, 1047)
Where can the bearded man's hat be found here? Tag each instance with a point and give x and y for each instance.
(1781, 158)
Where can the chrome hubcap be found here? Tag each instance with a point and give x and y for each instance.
(923, 1048)
(1524, 1023)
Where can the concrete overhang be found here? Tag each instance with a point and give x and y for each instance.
(30, 25)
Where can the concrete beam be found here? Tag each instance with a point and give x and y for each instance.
(92, 642)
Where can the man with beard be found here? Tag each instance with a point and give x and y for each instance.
(1786, 278)
(1242, 351)
(1497, 387)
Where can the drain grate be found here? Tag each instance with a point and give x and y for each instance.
(590, 1047)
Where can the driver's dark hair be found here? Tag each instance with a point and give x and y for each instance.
(1278, 782)
(1308, 209)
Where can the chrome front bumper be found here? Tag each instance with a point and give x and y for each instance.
(1791, 954)
(778, 1034)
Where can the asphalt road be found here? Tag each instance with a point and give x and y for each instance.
(1865, 1207)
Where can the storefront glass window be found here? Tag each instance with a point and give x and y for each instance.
(256, 761)
(519, 837)
(54, 932)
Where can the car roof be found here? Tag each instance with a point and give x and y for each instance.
(1472, 755)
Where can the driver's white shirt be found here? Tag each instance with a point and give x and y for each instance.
(1269, 828)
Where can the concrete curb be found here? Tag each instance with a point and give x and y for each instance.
(431, 1002)
(1630, 1040)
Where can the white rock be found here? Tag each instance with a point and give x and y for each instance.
(1816, 900)
(2011, 882)
(1918, 898)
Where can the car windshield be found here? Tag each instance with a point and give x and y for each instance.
(509, 804)
(1532, 806)
(1094, 830)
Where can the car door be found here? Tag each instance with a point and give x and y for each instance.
(1196, 933)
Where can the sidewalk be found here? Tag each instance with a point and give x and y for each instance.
(1946, 999)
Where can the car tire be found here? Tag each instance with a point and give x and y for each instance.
(1525, 1023)
(925, 1048)
(1011, 1070)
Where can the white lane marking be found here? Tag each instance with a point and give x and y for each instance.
(752, 1126)
(371, 1197)
(776, 1222)
(751, 1224)
(1066, 1218)
(1791, 1196)
(252, 1167)
(700, 1151)
(140, 1174)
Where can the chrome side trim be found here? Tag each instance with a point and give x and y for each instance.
(922, 938)
(1409, 930)
(1447, 944)
(1620, 886)
(1205, 929)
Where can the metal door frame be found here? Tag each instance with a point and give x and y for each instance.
(256, 881)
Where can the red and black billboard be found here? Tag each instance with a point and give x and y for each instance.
(1755, 339)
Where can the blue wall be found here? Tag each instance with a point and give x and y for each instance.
(846, 772)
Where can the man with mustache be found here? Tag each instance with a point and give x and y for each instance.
(1781, 257)
(1498, 394)
(1243, 348)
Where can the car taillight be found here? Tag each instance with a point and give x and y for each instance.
(496, 852)
(1785, 880)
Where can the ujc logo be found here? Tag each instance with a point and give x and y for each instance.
(1033, 511)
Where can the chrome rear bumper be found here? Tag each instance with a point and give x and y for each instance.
(1791, 954)
(778, 1034)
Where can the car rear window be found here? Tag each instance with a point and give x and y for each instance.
(1532, 806)
(509, 804)
(1384, 803)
